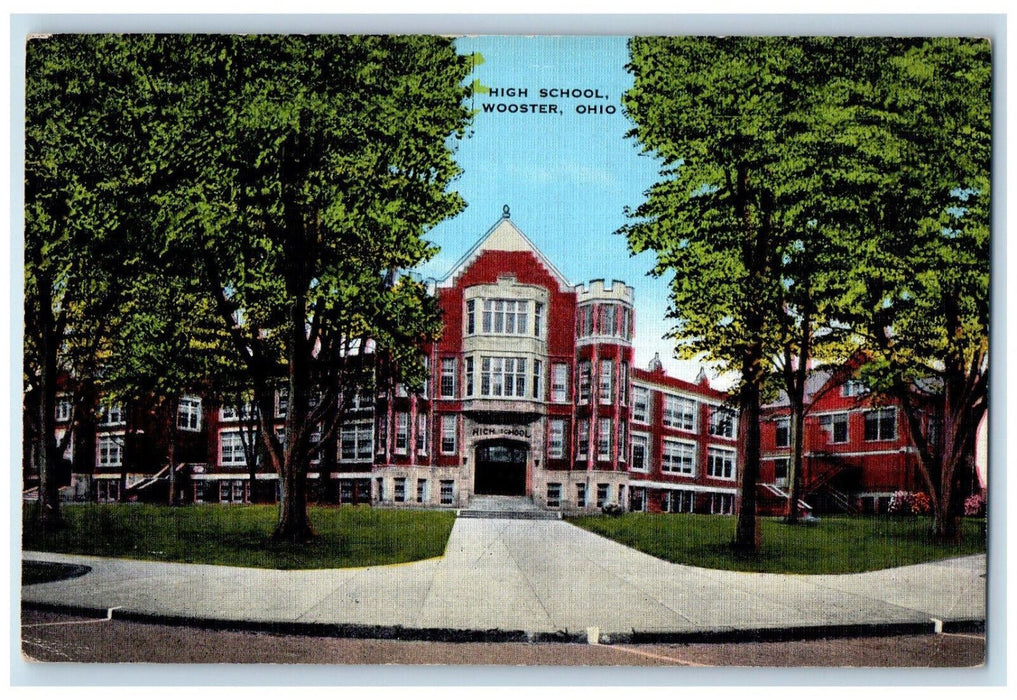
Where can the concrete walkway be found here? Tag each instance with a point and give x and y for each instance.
(525, 579)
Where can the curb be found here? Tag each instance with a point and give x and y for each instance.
(440, 634)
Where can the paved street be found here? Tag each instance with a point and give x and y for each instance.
(527, 580)
(69, 638)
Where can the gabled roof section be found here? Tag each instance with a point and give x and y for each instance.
(503, 236)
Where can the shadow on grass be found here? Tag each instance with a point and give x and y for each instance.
(33, 572)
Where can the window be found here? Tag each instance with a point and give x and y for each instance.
(584, 381)
(604, 439)
(245, 411)
(232, 491)
(721, 503)
(425, 389)
(606, 381)
(584, 321)
(189, 414)
(400, 490)
(623, 384)
(448, 377)
(231, 449)
(881, 424)
(640, 453)
(679, 413)
(538, 380)
(854, 387)
(559, 382)
(448, 435)
(780, 471)
(282, 403)
(108, 491)
(421, 443)
(503, 376)
(110, 451)
(623, 445)
(447, 487)
(582, 437)
(382, 434)
(112, 415)
(556, 438)
(538, 318)
(554, 495)
(402, 432)
(381, 488)
(836, 426)
(637, 499)
(678, 457)
(505, 316)
(468, 371)
(602, 491)
(581, 495)
(722, 422)
(422, 494)
(607, 319)
(720, 463)
(640, 404)
(471, 317)
(63, 409)
(356, 441)
(782, 432)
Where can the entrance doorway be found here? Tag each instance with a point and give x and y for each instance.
(500, 468)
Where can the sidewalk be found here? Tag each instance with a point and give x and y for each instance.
(526, 580)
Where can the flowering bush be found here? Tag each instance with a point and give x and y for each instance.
(920, 503)
(974, 505)
(900, 502)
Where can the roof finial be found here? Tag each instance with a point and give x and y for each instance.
(505, 212)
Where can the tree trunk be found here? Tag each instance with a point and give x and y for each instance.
(49, 488)
(747, 537)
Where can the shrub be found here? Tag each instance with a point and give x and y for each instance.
(921, 504)
(974, 505)
(900, 502)
(612, 509)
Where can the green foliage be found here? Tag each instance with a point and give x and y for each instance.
(241, 535)
(836, 545)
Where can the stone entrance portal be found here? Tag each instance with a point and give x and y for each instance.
(501, 468)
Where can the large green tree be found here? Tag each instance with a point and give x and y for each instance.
(317, 163)
(919, 220)
(723, 114)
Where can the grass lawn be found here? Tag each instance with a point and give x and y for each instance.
(836, 545)
(239, 535)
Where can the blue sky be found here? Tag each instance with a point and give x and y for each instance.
(566, 176)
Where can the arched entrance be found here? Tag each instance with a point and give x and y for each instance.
(500, 468)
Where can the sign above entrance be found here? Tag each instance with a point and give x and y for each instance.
(517, 431)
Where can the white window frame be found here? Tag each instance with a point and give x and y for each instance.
(582, 438)
(499, 315)
(556, 438)
(113, 454)
(782, 424)
(585, 380)
(604, 439)
(447, 383)
(641, 403)
(679, 412)
(721, 459)
(421, 435)
(716, 423)
(643, 439)
(538, 380)
(879, 412)
(189, 414)
(112, 415)
(554, 495)
(360, 436)
(447, 491)
(401, 445)
(559, 382)
(231, 455)
(508, 374)
(449, 439)
(678, 457)
(62, 410)
(605, 383)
